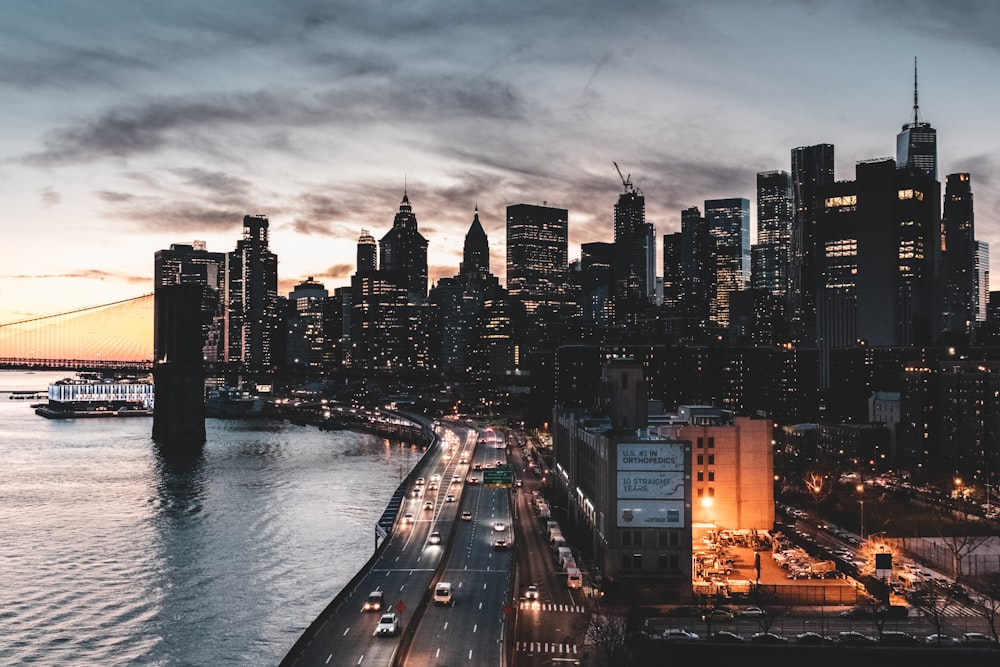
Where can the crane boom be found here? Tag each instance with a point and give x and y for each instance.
(626, 181)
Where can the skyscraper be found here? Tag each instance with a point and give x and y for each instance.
(812, 170)
(697, 264)
(252, 288)
(728, 222)
(404, 253)
(958, 259)
(631, 282)
(916, 144)
(537, 255)
(476, 251)
(185, 264)
(775, 212)
(982, 287)
(307, 340)
(367, 252)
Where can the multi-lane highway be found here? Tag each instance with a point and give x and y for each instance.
(430, 542)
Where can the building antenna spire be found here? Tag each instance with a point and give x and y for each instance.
(916, 106)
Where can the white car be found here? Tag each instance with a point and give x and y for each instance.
(751, 610)
(531, 593)
(435, 538)
(387, 626)
(450, 498)
(499, 526)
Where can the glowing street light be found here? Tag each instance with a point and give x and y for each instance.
(860, 488)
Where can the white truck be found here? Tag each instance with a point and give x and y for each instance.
(574, 578)
(442, 593)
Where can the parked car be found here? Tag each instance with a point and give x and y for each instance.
(678, 635)
(897, 638)
(726, 637)
(979, 640)
(857, 613)
(941, 640)
(854, 638)
(387, 626)
(751, 610)
(717, 614)
(766, 638)
(813, 639)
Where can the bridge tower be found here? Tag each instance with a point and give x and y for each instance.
(178, 369)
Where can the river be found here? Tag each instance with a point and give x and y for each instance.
(111, 555)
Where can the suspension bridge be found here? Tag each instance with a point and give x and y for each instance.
(110, 335)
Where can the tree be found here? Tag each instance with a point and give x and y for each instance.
(988, 586)
(609, 633)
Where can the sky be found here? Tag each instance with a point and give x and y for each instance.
(130, 125)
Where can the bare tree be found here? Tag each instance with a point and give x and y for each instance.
(934, 600)
(609, 633)
(960, 545)
(988, 587)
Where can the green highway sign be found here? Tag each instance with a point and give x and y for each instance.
(498, 477)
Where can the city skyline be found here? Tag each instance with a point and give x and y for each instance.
(175, 124)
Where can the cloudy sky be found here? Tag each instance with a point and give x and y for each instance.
(129, 125)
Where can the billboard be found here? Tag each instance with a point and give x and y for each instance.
(650, 513)
(650, 485)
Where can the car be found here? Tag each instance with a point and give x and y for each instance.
(415, 493)
(500, 545)
(499, 526)
(678, 635)
(726, 637)
(419, 481)
(466, 516)
(751, 610)
(388, 625)
(942, 640)
(854, 638)
(766, 638)
(478, 466)
(434, 538)
(373, 602)
(897, 638)
(408, 517)
(979, 640)
(456, 479)
(428, 505)
(857, 613)
(450, 498)
(717, 615)
(813, 639)
(531, 592)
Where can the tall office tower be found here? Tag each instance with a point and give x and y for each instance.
(728, 222)
(630, 268)
(775, 212)
(185, 264)
(252, 288)
(982, 283)
(958, 259)
(307, 340)
(653, 290)
(404, 253)
(476, 251)
(367, 252)
(673, 274)
(879, 253)
(697, 264)
(460, 300)
(537, 255)
(916, 144)
(812, 170)
(595, 282)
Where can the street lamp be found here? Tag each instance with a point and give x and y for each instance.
(860, 488)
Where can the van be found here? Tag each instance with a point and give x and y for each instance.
(442, 593)
(574, 578)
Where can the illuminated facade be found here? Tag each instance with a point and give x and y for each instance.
(537, 255)
(252, 295)
(728, 223)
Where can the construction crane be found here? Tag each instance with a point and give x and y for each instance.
(626, 180)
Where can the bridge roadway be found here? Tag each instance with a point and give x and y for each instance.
(406, 566)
